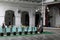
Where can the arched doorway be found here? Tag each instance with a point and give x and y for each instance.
(37, 18)
(25, 18)
(9, 18)
(49, 17)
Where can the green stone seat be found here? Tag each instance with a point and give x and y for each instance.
(30, 30)
(8, 31)
(14, 30)
(35, 30)
(1, 31)
(19, 30)
(25, 30)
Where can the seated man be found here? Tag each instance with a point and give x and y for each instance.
(40, 29)
(3, 25)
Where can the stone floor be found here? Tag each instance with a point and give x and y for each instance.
(54, 36)
(36, 37)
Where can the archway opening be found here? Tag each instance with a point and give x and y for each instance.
(37, 18)
(49, 17)
(25, 18)
(9, 18)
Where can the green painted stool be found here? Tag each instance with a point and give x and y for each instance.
(8, 31)
(14, 30)
(25, 30)
(30, 30)
(1, 31)
(19, 30)
(35, 30)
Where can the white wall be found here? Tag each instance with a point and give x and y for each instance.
(55, 21)
(49, 0)
(15, 8)
(7, 6)
(3, 8)
(58, 18)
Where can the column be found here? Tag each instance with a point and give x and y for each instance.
(31, 19)
(2, 20)
(18, 19)
(43, 14)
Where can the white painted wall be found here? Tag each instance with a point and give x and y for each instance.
(15, 8)
(58, 18)
(6, 6)
(49, 0)
(3, 8)
(55, 21)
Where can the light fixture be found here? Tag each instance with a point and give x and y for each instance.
(48, 9)
(37, 10)
(19, 11)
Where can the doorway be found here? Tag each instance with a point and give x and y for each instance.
(25, 18)
(49, 17)
(37, 18)
(9, 18)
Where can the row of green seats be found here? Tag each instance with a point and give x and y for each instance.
(14, 30)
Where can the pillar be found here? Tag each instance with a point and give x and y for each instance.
(31, 19)
(43, 14)
(18, 19)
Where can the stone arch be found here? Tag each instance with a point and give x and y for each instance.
(25, 18)
(51, 16)
(9, 17)
(37, 18)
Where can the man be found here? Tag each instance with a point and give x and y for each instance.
(40, 29)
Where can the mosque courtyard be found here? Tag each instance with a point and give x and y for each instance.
(48, 34)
